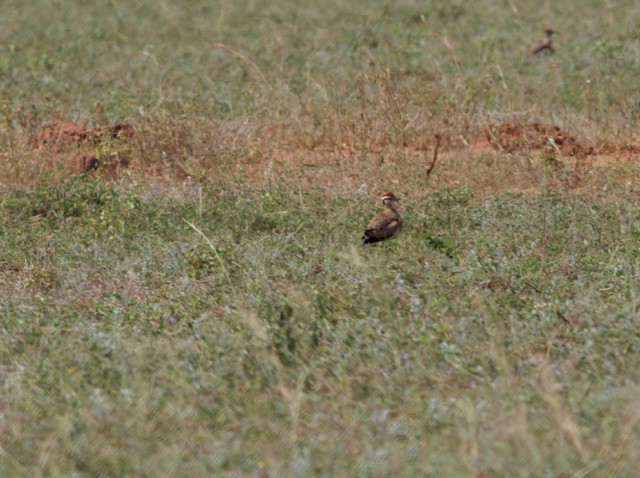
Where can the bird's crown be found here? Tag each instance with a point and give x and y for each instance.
(389, 196)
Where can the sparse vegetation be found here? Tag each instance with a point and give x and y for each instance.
(198, 303)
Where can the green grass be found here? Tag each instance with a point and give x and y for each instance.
(307, 64)
(133, 346)
(231, 324)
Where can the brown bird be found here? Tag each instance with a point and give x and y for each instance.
(386, 224)
(545, 45)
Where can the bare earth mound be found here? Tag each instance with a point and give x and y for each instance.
(514, 136)
(61, 133)
(159, 151)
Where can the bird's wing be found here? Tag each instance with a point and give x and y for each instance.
(541, 46)
(384, 225)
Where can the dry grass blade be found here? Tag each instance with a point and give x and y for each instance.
(222, 46)
(213, 248)
(435, 157)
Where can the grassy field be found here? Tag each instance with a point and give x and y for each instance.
(204, 307)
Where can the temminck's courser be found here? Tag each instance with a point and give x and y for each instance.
(386, 224)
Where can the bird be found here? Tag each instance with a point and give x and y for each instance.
(386, 224)
(544, 45)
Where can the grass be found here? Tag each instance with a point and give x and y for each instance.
(297, 63)
(493, 337)
(209, 309)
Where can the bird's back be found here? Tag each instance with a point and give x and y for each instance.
(384, 225)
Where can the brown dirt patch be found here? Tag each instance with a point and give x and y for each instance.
(485, 171)
(610, 153)
(61, 133)
(268, 155)
(514, 136)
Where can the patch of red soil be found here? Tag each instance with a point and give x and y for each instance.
(274, 153)
(621, 150)
(514, 136)
(62, 132)
(609, 153)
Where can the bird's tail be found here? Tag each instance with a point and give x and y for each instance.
(370, 240)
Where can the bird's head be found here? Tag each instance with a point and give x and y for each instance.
(389, 198)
